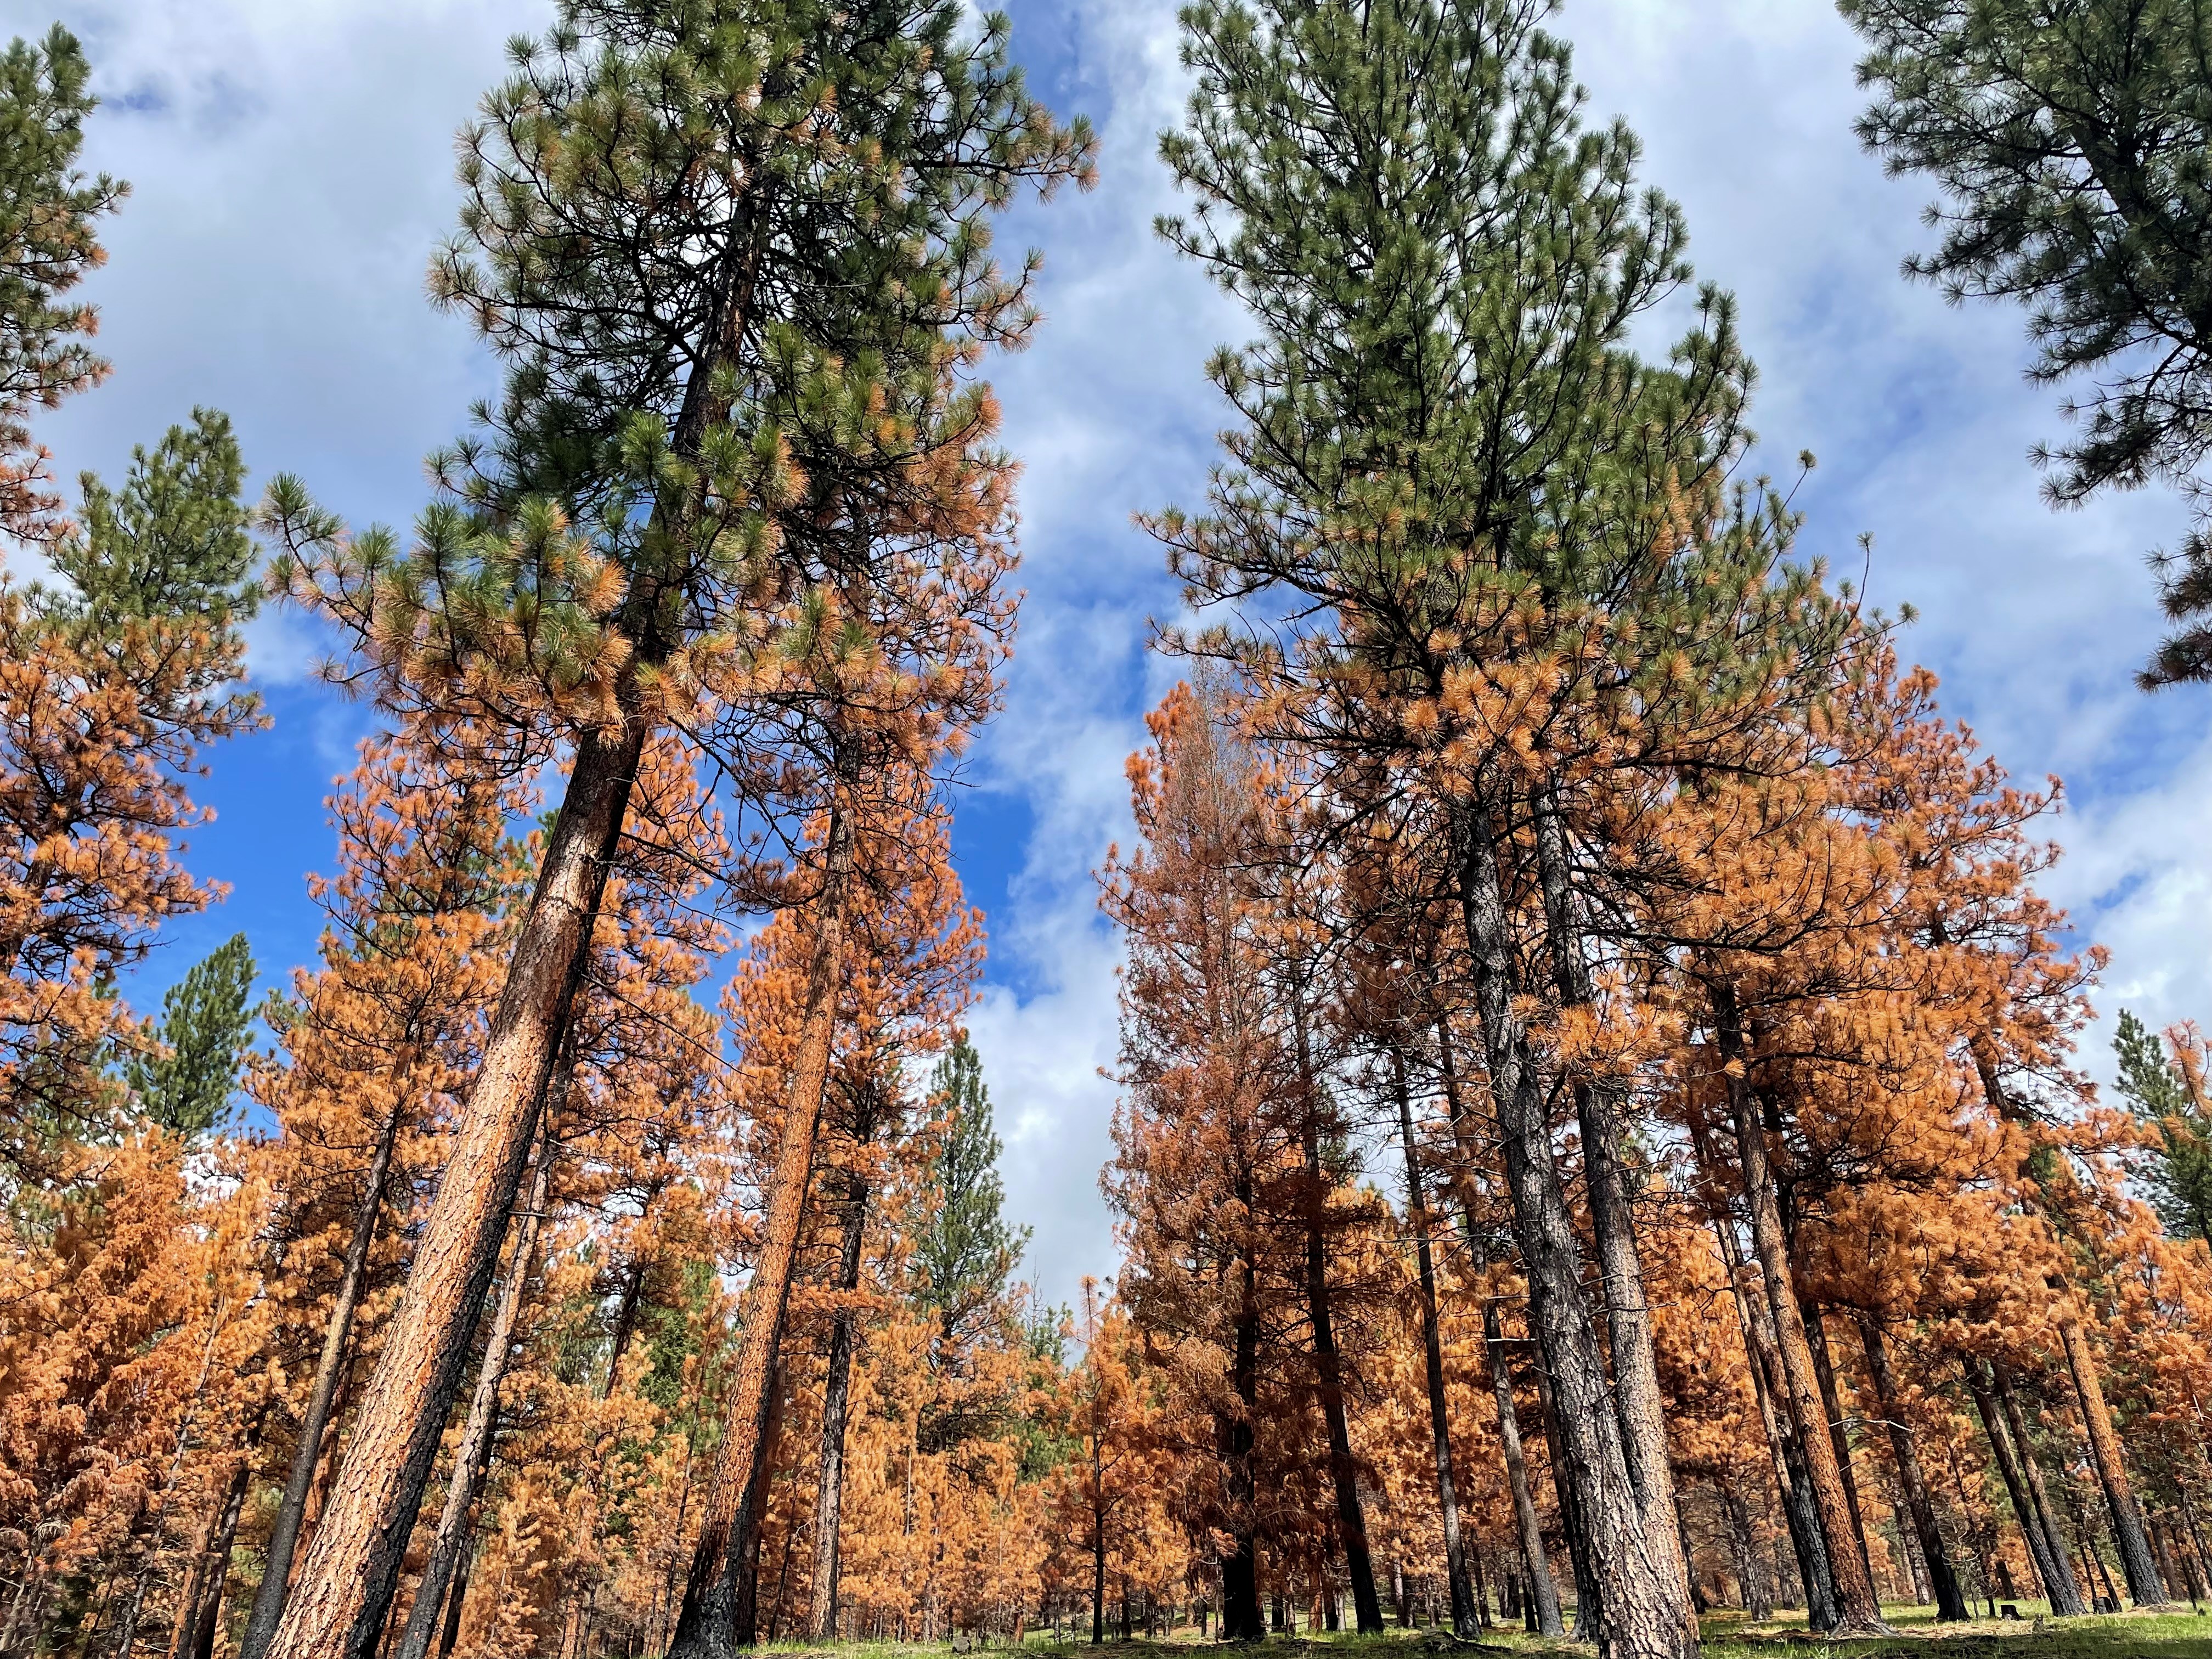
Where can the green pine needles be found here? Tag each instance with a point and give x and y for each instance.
(186, 1086)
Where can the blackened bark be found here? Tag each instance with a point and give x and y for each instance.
(1832, 1403)
(2031, 1469)
(1240, 1570)
(830, 1486)
(752, 1524)
(205, 1607)
(2042, 1548)
(1644, 1615)
(704, 1628)
(1329, 1366)
(1792, 1481)
(1589, 1599)
(1464, 1620)
(1920, 1507)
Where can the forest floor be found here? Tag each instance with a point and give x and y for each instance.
(2182, 1635)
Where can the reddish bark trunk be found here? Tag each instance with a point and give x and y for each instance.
(704, 1627)
(336, 1609)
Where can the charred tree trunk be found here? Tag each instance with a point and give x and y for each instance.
(1743, 1544)
(704, 1629)
(1856, 1605)
(830, 1488)
(752, 1521)
(1645, 1618)
(1329, 1367)
(2046, 1551)
(201, 1614)
(269, 1601)
(469, 1460)
(1637, 1395)
(1920, 1507)
(2031, 1469)
(1240, 1569)
(1544, 1590)
(1589, 1597)
(1465, 1621)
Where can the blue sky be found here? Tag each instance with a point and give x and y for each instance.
(291, 162)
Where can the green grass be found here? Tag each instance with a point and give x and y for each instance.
(2180, 1635)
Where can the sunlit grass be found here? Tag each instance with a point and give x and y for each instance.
(2177, 1635)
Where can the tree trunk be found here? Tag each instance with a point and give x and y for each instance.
(1329, 1368)
(337, 1608)
(1792, 1482)
(745, 1557)
(1544, 1589)
(1920, 1507)
(1589, 1597)
(2031, 1469)
(1240, 1570)
(1464, 1620)
(1644, 1615)
(703, 1629)
(1832, 1406)
(1855, 1601)
(2136, 1562)
(269, 1601)
(1750, 1571)
(200, 1609)
(1638, 1398)
(829, 1489)
(469, 1457)
(2045, 1551)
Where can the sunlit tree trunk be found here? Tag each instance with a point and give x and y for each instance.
(336, 1610)
(291, 1510)
(453, 1536)
(705, 1627)
(1598, 1109)
(1645, 1617)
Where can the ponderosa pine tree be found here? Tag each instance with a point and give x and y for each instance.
(966, 1251)
(113, 680)
(186, 1086)
(48, 242)
(2168, 1095)
(729, 453)
(1478, 514)
(2069, 142)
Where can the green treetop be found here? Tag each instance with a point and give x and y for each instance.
(47, 212)
(186, 1088)
(966, 1253)
(2072, 143)
(2176, 1170)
